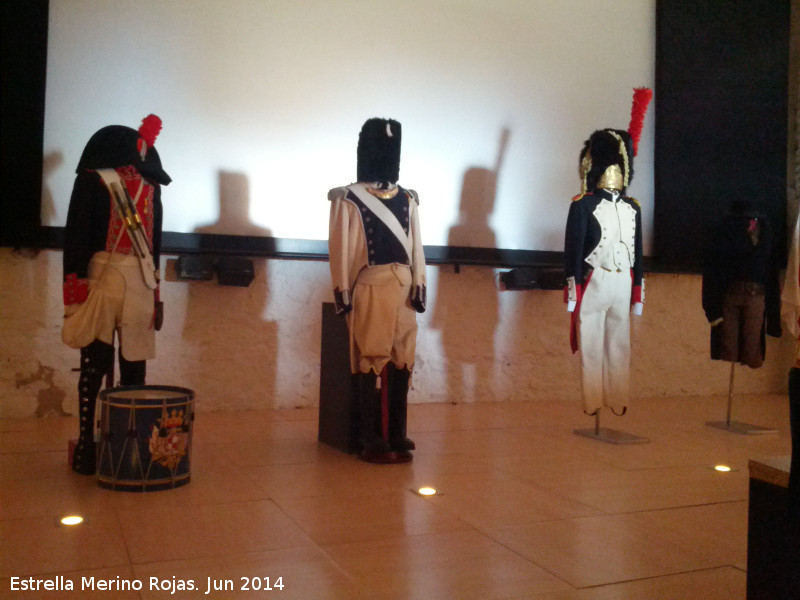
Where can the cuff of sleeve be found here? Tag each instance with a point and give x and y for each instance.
(638, 308)
(75, 290)
(342, 301)
(637, 296)
(419, 297)
(572, 292)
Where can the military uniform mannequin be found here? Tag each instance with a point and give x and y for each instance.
(378, 273)
(101, 250)
(603, 266)
(741, 289)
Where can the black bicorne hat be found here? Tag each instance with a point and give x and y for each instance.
(117, 146)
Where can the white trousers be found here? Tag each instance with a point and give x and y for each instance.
(605, 340)
(128, 306)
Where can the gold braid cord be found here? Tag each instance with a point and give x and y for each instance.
(624, 152)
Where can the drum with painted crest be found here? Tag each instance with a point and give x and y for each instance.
(145, 438)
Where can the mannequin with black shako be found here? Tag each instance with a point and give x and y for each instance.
(112, 243)
(378, 273)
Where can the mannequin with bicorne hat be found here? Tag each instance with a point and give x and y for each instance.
(112, 243)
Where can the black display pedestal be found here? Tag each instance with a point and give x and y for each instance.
(338, 407)
(773, 536)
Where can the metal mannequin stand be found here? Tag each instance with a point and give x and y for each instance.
(737, 426)
(609, 436)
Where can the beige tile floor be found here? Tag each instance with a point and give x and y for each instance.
(528, 510)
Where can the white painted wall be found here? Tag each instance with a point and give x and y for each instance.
(259, 347)
(275, 91)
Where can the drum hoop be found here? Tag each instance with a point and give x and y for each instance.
(184, 392)
(142, 483)
(155, 403)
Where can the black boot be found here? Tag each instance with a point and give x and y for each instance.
(794, 419)
(398, 411)
(373, 447)
(131, 372)
(96, 359)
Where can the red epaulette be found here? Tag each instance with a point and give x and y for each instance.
(578, 197)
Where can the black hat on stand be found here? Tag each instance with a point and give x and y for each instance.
(117, 146)
(379, 151)
(614, 147)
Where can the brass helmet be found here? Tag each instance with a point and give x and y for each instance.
(607, 160)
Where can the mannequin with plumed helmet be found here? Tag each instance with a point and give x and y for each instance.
(603, 262)
(112, 243)
(378, 273)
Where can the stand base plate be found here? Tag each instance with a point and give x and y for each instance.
(611, 436)
(741, 428)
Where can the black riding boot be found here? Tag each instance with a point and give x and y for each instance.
(373, 446)
(398, 410)
(794, 419)
(131, 372)
(96, 360)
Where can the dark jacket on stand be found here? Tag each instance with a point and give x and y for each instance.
(731, 256)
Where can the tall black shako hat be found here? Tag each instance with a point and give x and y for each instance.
(118, 146)
(379, 151)
(607, 147)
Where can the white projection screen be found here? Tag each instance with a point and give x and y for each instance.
(262, 102)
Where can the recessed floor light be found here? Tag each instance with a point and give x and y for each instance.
(427, 491)
(722, 468)
(72, 520)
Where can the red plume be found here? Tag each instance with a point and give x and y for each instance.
(641, 98)
(149, 130)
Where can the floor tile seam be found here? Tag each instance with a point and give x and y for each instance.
(226, 547)
(557, 495)
(450, 513)
(605, 514)
(660, 576)
(487, 534)
(573, 494)
(112, 505)
(208, 555)
(121, 533)
(192, 504)
(459, 525)
(680, 507)
(25, 452)
(351, 578)
(468, 529)
(34, 450)
(422, 432)
(51, 517)
(238, 554)
(737, 567)
(306, 534)
(69, 573)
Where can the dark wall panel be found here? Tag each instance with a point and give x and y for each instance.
(721, 117)
(23, 52)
